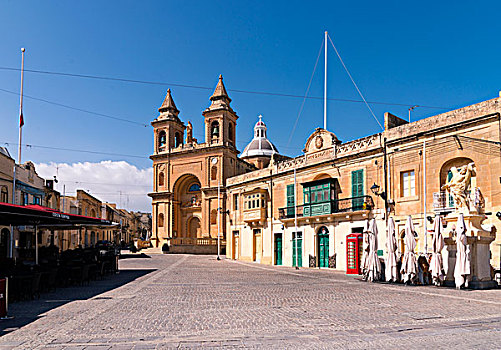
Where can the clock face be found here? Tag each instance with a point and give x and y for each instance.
(214, 160)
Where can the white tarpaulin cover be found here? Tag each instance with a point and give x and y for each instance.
(436, 263)
(365, 249)
(373, 264)
(462, 268)
(409, 263)
(391, 245)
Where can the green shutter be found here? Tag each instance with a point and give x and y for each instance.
(290, 200)
(357, 188)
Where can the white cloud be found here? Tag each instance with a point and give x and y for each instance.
(104, 180)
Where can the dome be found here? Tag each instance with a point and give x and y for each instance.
(260, 145)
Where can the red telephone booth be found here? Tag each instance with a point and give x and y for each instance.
(354, 254)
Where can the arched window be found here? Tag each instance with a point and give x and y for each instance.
(4, 197)
(161, 179)
(230, 132)
(160, 220)
(214, 130)
(93, 213)
(177, 139)
(213, 173)
(162, 138)
(194, 188)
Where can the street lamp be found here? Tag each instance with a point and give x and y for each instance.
(375, 190)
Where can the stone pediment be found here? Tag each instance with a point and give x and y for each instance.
(320, 140)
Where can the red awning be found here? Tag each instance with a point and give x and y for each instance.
(30, 215)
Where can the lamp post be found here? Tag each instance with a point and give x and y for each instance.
(214, 162)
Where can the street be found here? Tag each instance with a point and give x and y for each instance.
(186, 301)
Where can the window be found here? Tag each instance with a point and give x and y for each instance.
(357, 189)
(230, 132)
(214, 130)
(36, 200)
(408, 183)
(254, 201)
(161, 179)
(213, 173)
(177, 140)
(160, 220)
(4, 197)
(194, 188)
(162, 139)
(213, 216)
(25, 197)
(290, 200)
(235, 202)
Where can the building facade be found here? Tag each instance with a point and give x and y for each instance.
(303, 210)
(189, 177)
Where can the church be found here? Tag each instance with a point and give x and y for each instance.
(190, 176)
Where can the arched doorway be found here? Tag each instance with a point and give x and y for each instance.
(194, 227)
(187, 207)
(323, 247)
(4, 243)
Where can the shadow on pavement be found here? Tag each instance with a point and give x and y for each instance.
(25, 312)
(134, 256)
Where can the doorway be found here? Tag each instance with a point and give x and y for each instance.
(297, 243)
(194, 227)
(4, 243)
(323, 247)
(257, 245)
(278, 249)
(234, 252)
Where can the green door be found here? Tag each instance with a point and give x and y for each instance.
(290, 201)
(278, 248)
(299, 242)
(357, 189)
(323, 249)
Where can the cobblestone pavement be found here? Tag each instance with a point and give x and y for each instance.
(198, 302)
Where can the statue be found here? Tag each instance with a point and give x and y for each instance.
(189, 132)
(458, 184)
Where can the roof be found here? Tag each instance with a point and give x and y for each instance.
(5, 152)
(168, 104)
(260, 145)
(220, 91)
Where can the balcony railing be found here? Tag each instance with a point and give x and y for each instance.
(196, 241)
(328, 207)
(444, 203)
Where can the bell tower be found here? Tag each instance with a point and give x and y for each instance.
(220, 119)
(167, 127)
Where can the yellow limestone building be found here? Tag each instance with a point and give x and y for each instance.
(339, 185)
(187, 174)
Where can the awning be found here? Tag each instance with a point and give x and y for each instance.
(31, 215)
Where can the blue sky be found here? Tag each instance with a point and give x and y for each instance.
(443, 54)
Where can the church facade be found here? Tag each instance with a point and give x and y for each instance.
(189, 194)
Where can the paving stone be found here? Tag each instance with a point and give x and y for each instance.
(183, 301)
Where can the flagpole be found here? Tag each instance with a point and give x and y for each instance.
(11, 245)
(21, 118)
(20, 128)
(325, 82)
